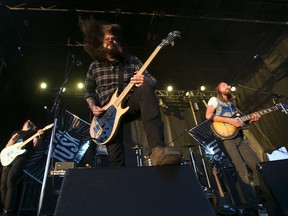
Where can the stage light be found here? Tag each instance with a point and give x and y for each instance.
(80, 85)
(255, 56)
(187, 94)
(233, 88)
(43, 85)
(45, 107)
(202, 88)
(169, 88)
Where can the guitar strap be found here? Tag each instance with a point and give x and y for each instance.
(121, 77)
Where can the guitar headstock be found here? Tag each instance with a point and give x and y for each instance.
(170, 38)
(48, 127)
(283, 107)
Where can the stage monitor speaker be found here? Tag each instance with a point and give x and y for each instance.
(273, 177)
(141, 191)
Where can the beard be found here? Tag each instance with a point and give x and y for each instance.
(115, 50)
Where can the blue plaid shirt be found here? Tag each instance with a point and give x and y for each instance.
(102, 78)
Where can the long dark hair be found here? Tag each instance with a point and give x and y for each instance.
(31, 125)
(220, 97)
(93, 35)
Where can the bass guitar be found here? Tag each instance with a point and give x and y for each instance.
(225, 130)
(103, 128)
(9, 153)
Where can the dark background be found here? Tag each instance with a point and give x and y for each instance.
(241, 42)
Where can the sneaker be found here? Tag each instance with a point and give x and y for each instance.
(165, 156)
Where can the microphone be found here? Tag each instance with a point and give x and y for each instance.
(76, 60)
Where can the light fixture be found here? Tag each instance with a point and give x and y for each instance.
(169, 88)
(43, 85)
(80, 85)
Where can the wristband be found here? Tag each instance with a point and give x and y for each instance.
(212, 117)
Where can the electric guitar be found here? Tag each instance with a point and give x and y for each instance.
(103, 128)
(225, 130)
(9, 153)
(224, 206)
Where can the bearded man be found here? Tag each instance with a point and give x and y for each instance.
(113, 68)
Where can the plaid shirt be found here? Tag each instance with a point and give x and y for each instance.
(102, 78)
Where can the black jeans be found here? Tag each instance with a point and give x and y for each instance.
(143, 102)
(10, 177)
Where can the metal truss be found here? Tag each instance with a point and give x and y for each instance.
(167, 95)
(182, 94)
(25, 6)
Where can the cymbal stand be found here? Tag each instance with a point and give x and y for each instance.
(200, 150)
(138, 152)
(193, 162)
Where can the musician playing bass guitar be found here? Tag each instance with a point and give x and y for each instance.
(11, 174)
(222, 110)
(112, 70)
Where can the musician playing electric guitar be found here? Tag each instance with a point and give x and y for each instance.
(222, 110)
(12, 173)
(112, 70)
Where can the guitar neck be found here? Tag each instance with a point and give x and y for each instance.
(29, 139)
(35, 135)
(261, 112)
(214, 172)
(141, 71)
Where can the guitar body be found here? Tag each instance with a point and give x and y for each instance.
(223, 205)
(9, 153)
(225, 130)
(228, 131)
(103, 129)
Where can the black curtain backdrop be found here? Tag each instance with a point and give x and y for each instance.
(257, 93)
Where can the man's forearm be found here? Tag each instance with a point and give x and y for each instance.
(91, 102)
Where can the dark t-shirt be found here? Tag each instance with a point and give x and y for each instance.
(24, 135)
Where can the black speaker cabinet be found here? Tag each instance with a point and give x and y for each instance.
(273, 176)
(138, 191)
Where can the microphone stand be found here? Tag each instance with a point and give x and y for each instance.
(56, 107)
(263, 92)
(275, 96)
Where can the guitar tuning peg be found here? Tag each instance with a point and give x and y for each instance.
(172, 43)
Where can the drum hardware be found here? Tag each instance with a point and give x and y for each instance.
(189, 146)
(101, 151)
(195, 131)
(138, 152)
(199, 147)
(147, 160)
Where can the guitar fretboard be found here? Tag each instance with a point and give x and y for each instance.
(169, 40)
(261, 112)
